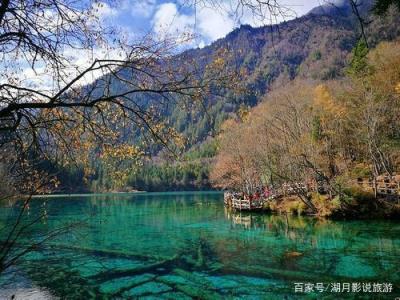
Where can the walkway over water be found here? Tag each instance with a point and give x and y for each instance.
(383, 186)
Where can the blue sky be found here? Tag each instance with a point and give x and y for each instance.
(173, 17)
(142, 17)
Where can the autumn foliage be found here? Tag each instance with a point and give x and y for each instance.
(326, 133)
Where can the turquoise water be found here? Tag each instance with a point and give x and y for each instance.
(188, 246)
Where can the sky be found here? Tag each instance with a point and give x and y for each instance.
(163, 17)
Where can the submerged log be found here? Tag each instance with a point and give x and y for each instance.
(293, 254)
(267, 272)
(197, 293)
(207, 290)
(129, 287)
(152, 268)
(108, 252)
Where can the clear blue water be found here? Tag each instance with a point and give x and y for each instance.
(188, 246)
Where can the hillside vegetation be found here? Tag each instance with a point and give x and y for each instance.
(315, 47)
(332, 133)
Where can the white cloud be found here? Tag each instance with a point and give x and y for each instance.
(78, 60)
(143, 9)
(208, 24)
(167, 21)
(212, 22)
(213, 25)
(103, 10)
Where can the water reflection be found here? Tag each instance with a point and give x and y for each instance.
(181, 245)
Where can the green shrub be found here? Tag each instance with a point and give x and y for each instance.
(359, 194)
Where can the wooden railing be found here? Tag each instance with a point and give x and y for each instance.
(382, 185)
(247, 204)
(239, 202)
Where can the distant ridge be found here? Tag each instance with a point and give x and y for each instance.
(315, 46)
(341, 7)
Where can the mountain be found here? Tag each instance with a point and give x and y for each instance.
(316, 46)
(340, 7)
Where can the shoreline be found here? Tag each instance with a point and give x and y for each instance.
(325, 208)
(363, 217)
(72, 195)
(375, 209)
(85, 194)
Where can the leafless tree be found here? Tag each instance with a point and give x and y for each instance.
(264, 11)
(65, 77)
(67, 80)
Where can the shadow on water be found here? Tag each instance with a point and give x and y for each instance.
(186, 245)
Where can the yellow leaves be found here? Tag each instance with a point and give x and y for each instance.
(397, 88)
(176, 138)
(120, 160)
(324, 101)
(159, 127)
(35, 181)
(121, 152)
(77, 134)
(227, 125)
(244, 113)
(218, 62)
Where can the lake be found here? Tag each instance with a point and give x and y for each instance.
(187, 245)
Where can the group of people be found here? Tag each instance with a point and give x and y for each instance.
(259, 194)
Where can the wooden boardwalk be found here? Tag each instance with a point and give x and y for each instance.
(383, 186)
(238, 203)
(247, 204)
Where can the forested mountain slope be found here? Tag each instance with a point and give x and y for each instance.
(328, 135)
(317, 46)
